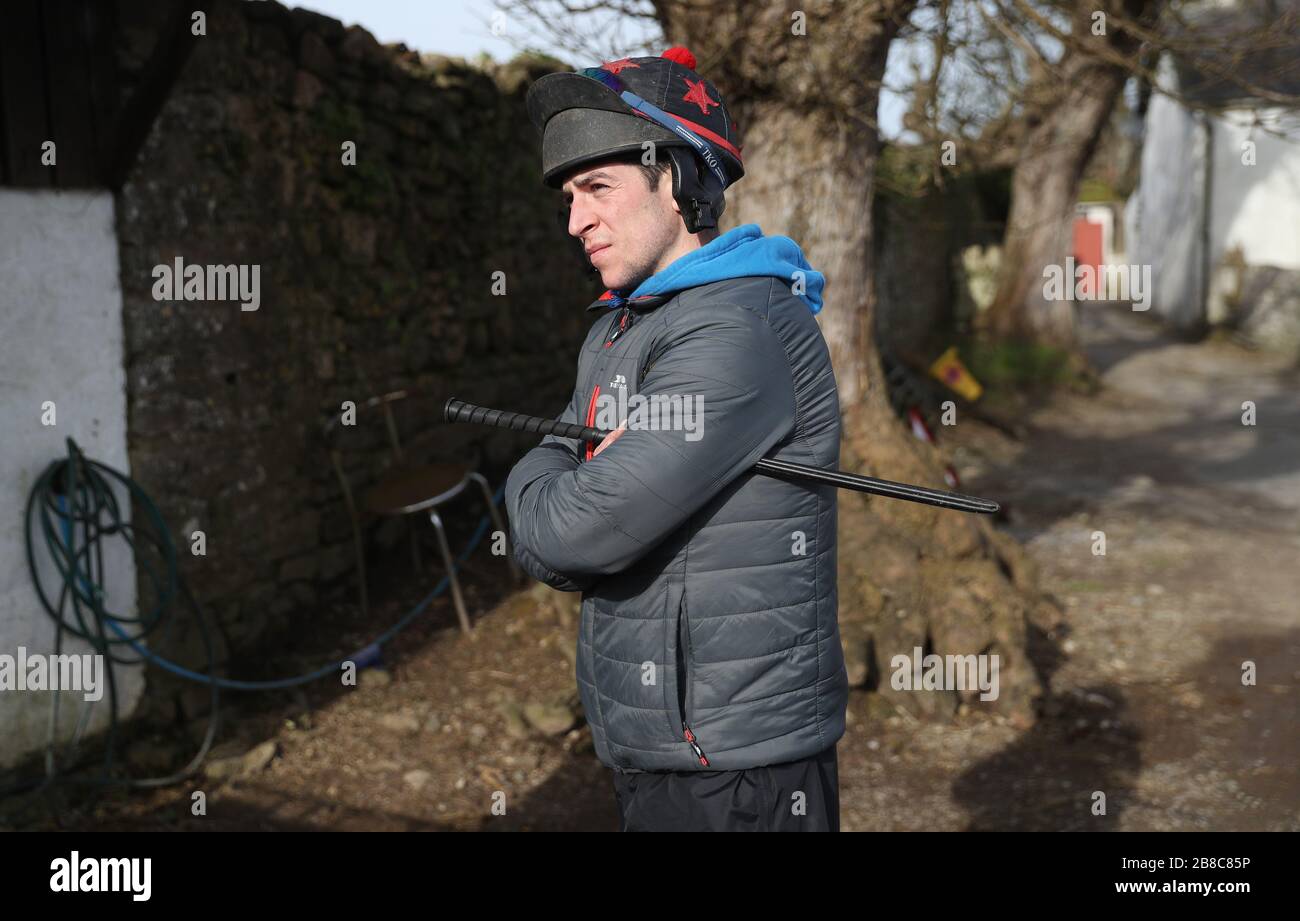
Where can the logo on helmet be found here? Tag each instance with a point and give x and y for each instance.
(699, 95)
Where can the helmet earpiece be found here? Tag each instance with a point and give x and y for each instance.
(700, 201)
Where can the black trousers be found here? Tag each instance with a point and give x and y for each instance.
(799, 795)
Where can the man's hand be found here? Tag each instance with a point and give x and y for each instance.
(609, 439)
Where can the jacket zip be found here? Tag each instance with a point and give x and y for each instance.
(617, 326)
(621, 322)
(682, 680)
(690, 737)
(591, 419)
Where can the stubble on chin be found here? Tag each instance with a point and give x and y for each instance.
(636, 275)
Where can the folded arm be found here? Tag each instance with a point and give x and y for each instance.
(580, 521)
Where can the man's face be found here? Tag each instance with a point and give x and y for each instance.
(625, 228)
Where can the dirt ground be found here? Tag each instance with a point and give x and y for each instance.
(1201, 518)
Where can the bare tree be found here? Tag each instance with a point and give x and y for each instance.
(1055, 150)
(1036, 82)
(1215, 47)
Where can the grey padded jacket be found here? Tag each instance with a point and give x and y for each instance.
(709, 637)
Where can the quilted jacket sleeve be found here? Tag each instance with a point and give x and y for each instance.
(553, 455)
(589, 519)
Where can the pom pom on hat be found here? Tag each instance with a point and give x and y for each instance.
(681, 54)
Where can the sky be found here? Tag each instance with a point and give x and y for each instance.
(456, 27)
(465, 28)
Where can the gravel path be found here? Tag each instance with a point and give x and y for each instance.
(1201, 573)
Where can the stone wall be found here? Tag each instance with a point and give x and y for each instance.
(374, 277)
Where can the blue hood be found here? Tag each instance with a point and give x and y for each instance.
(739, 253)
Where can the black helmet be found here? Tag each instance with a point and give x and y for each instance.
(614, 109)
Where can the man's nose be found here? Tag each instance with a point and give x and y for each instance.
(581, 219)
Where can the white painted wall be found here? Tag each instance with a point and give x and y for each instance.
(1255, 216)
(61, 339)
(1257, 207)
(1254, 209)
(1163, 217)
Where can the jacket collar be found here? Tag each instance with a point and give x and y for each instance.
(642, 302)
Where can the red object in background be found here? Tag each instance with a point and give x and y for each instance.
(1087, 251)
(923, 433)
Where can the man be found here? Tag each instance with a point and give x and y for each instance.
(709, 661)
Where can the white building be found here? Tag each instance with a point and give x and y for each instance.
(61, 376)
(62, 361)
(1217, 210)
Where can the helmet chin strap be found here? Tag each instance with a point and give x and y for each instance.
(700, 203)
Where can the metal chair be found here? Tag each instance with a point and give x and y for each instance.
(412, 489)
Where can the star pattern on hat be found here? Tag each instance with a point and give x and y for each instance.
(699, 95)
(615, 67)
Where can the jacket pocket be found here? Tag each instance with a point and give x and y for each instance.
(671, 667)
(681, 627)
(683, 659)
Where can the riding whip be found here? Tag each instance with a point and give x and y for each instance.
(458, 411)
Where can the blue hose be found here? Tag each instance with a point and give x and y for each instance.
(365, 652)
(72, 495)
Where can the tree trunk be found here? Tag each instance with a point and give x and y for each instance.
(1045, 183)
(806, 108)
